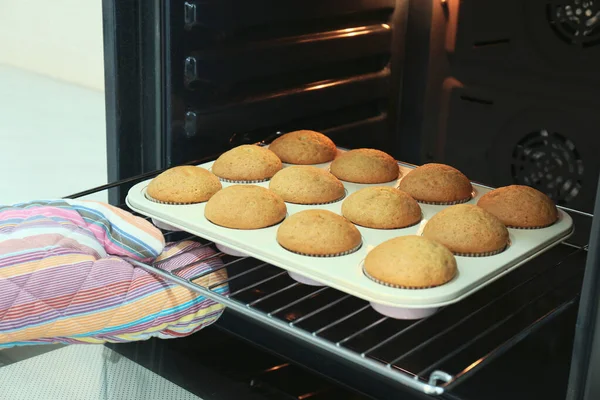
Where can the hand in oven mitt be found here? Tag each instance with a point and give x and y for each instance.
(65, 278)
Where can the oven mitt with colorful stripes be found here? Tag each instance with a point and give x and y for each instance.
(65, 278)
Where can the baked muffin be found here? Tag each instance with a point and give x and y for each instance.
(304, 147)
(183, 185)
(411, 262)
(520, 207)
(365, 166)
(468, 230)
(381, 207)
(245, 207)
(437, 184)
(318, 233)
(306, 185)
(247, 163)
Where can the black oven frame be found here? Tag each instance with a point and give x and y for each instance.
(136, 80)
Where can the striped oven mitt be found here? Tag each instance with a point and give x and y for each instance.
(65, 278)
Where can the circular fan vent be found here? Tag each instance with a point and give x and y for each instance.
(550, 163)
(576, 22)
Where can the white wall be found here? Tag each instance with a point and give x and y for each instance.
(52, 112)
(58, 38)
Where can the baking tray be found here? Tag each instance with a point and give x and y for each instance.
(345, 273)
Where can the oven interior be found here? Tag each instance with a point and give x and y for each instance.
(504, 91)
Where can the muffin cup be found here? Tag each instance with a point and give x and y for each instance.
(345, 253)
(230, 251)
(304, 280)
(400, 312)
(403, 313)
(164, 227)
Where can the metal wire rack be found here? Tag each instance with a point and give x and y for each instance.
(417, 354)
(430, 355)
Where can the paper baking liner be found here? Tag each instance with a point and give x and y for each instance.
(393, 285)
(171, 203)
(486, 254)
(345, 253)
(247, 182)
(253, 229)
(445, 203)
(531, 228)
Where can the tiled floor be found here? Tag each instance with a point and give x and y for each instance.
(52, 137)
(85, 372)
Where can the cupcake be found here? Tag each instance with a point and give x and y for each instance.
(381, 207)
(306, 185)
(318, 233)
(247, 164)
(183, 185)
(467, 230)
(520, 207)
(410, 262)
(365, 166)
(437, 184)
(304, 147)
(245, 207)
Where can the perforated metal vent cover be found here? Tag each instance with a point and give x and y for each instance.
(576, 22)
(549, 162)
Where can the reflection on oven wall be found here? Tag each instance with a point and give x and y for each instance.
(327, 65)
(512, 94)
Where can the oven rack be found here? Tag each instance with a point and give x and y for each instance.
(347, 327)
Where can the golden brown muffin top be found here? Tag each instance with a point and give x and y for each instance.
(319, 233)
(365, 166)
(306, 185)
(184, 184)
(411, 262)
(467, 229)
(245, 207)
(247, 163)
(437, 183)
(520, 206)
(381, 207)
(304, 147)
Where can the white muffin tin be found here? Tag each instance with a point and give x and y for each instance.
(345, 273)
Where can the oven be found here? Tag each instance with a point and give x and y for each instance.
(503, 91)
